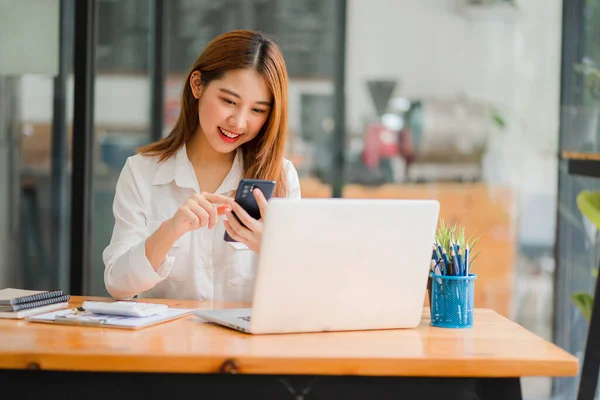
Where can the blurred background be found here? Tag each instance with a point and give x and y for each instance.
(471, 102)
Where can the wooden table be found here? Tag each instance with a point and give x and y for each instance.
(189, 356)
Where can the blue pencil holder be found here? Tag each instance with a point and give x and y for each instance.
(452, 299)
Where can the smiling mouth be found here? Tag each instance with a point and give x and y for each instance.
(229, 134)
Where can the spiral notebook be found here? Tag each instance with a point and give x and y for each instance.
(12, 296)
(35, 304)
(21, 314)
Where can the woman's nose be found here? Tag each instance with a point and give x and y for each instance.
(237, 121)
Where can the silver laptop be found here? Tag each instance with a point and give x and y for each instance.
(337, 265)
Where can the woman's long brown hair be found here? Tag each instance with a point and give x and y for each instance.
(263, 156)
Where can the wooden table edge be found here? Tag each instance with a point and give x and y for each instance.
(182, 364)
(289, 366)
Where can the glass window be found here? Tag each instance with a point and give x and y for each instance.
(458, 101)
(35, 114)
(305, 31)
(578, 245)
(122, 117)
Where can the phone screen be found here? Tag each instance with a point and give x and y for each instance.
(245, 198)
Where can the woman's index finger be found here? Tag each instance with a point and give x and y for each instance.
(218, 198)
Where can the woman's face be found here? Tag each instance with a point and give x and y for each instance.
(232, 110)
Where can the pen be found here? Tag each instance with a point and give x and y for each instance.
(455, 260)
(447, 262)
(467, 260)
(434, 255)
(439, 247)
(444, 255)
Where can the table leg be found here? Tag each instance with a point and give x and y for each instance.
(500, 389)
(591, 361)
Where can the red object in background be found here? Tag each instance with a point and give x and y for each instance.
(380, 142)
(406, 147)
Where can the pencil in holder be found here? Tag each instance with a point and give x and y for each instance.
(452, 300)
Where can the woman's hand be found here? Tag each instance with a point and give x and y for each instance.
(198, 211)
(251, 235)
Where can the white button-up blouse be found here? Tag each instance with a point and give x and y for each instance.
(200, 265)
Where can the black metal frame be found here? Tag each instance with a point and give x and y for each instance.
(572, 46)
(83, 144)
(58, 186)
(591, 362)
(83, 126)
(339, 80)
(571, 53)
(589, 168)
(158, 66)
(147, 386)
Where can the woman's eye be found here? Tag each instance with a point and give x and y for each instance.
(258, 110)
(228, 101)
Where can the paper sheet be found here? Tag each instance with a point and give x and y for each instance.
(73, 317)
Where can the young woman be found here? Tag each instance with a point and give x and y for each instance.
(168, 236)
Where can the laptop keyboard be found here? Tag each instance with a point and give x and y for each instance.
(247, 319)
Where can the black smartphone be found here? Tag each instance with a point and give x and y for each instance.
(245, 198)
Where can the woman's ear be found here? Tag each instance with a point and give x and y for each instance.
(196, 84)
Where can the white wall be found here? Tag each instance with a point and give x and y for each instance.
(435, 48)
(420, 43)
(438, 49)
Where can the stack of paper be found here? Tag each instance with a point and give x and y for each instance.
(19, 303)
(75, 317)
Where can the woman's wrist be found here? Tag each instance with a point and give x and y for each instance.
(170, 231)
(160, 242)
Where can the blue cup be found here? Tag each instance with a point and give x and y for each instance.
(452, 300)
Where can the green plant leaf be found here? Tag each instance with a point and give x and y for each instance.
(472, 259)
(497, 118)
(588, 203)
(583, 301)
(446, 234)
